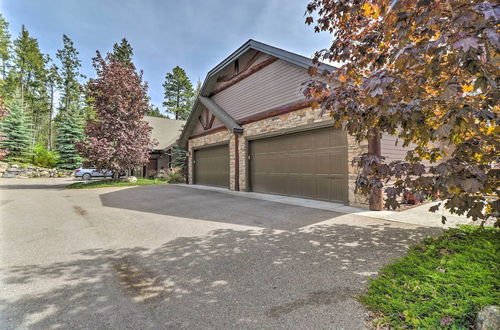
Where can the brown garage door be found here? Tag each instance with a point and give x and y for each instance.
(309, 164)
(211, 166)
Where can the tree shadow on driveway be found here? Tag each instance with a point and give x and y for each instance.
(226, 279)
(198, 204)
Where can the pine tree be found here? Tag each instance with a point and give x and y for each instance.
(53, 79)
(154, 112)
(3, 113)
(70, 65)
(28, 74)
(15, 132)
(122, 52)
(178, 93)
(4, 45)
(69, 133)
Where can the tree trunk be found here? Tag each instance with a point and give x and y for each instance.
(50, 116)
(376, 196)
(116, 175)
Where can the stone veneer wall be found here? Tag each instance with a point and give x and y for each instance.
(289, 120)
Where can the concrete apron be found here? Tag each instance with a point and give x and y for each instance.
(418, 215)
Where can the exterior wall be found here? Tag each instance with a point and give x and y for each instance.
(198, 129)
(299, 118)
(390, 150)
(206, 140)
(290, 120)
(275, 85)
(244, 61)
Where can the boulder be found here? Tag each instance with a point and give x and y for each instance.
(44, 174)
(3, 166)
(14, 168)
(9, 175)
(488, 318)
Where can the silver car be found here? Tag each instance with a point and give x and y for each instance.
(89, 173)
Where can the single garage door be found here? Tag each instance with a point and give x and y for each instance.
(211, 166)
(309, 164)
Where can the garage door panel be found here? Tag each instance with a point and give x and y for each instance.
(309, 164)
(211, 166)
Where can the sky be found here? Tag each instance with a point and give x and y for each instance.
(193, 34)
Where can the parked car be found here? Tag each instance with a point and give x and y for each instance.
(89, 173)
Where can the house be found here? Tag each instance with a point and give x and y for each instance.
(251, 129)
(165, 131)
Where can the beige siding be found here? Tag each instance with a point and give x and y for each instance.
(243, 63)
(275, 85)
(391, 151)
(198, 129)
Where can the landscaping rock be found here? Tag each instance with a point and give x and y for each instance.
(488, 318)
(3, 167)
(44, 174)
(131, 179)
(29, 171)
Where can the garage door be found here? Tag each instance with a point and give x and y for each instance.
(211, 166)
(310, 164)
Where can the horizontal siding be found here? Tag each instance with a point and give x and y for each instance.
(229, 70)
(390, 150)
(275, 85)
(393, 152)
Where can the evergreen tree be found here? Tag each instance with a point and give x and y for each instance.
(3, 113)
(28, 74)
(122, 52)
(154, 112)
(69, 133)
(178, 93)
(4, 45)
(196, 92)
(70, 65)
(179, 156)
(15, 132)
(53, 79)
(28, 64)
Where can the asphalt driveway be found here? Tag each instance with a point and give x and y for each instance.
(172, 257)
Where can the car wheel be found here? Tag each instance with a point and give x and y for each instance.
(86, 176)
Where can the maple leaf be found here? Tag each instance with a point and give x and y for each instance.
(466, 43)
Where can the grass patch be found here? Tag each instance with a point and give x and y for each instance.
(441, 283)
(111, 183)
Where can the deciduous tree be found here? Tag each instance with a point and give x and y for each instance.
(118, 139)
(427, 72)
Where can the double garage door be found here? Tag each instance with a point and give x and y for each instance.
(309, 164)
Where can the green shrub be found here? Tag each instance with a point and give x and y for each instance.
(441, 283)
(175, 178)
(44, 157)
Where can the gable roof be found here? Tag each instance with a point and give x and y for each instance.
(210, 80)
(165, 130)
